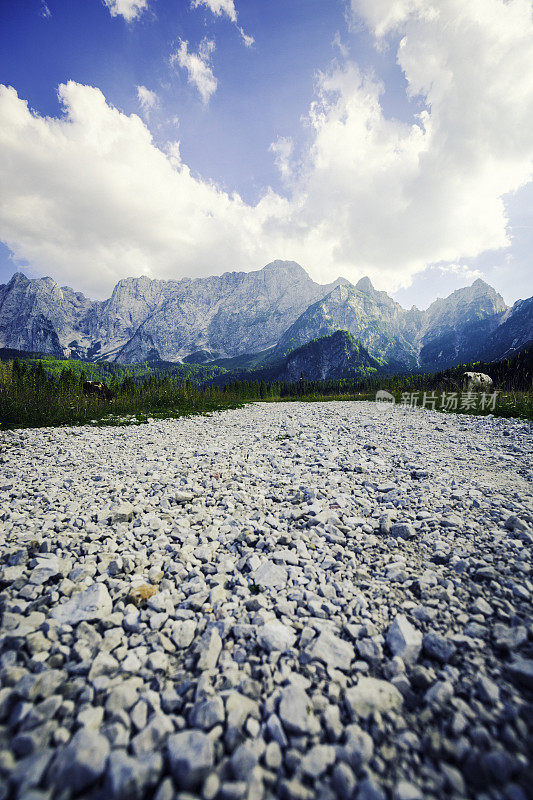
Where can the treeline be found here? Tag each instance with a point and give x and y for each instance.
(510, 374)
(107, 371)
(33, 395)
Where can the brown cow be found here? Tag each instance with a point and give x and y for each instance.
(98, 389)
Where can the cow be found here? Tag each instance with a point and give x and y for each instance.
(476, 380)
(97, 389)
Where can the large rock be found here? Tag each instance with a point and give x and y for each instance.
(296, 711)
(92, 604)
(371, 694)
(270, 575)
(438, 647)
(191, 756)
(80, 763)
(404, 640)
(275, 636)
(334, 652)
(129, 778)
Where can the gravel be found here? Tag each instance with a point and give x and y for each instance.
(305, 600)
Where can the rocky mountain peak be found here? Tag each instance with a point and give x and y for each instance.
(17, 279)
(287, 267)
(365, 285)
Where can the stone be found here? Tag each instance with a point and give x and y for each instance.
(487, 690)
(333, 651)
(130, 778)
(296, 711)
(372, 694)
(191, 757)
(183, 633)
(439, 694)
(91, 604)
(80, 763)
(521, 672)
(209, 649)
(402, 530)
(369, 789)
(343, 781)
(404, 640)
(270, 575)
(153, 735)
(245, 759)
(481, 606)
(42, 685)
(404, 790)
(273, 757)
(276, 636)
(514, 523)
(438, 648)
(207, 714)
(317, 760)
(121, 512)
(358, 747)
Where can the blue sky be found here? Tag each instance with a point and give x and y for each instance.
(344, 58)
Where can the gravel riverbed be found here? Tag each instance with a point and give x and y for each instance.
(305, 600)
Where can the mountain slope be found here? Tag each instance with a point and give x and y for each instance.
(254, 319)
(336, 356)
(513, 333)
(39, 316)
(371, 316)
(230, 314)
(456, 329)
(235, 313)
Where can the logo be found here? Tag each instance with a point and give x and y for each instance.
(384, 399)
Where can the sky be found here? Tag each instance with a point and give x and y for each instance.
(173, 138)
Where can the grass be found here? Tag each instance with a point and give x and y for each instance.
(89, 411)
(508, 404)
(32, 396)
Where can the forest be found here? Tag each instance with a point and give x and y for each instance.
(47, 391)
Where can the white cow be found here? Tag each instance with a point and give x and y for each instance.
(476, 380)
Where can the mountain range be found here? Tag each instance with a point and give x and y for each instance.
(255, 318)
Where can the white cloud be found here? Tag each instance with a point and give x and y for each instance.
(439, 182)
(89, 198)
(129, 9)
(248, 40)
(225, 8)
(197, 65)
(218, 7)
(45, 12)
(337, 42)
(283, 149)
(148, 100)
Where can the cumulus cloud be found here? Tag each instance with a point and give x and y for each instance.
(89, 198)
(218, 7)
(283, 148)
(129, 9)
(197, 66)
(225, 8)
(441, 180)
(148, 100)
